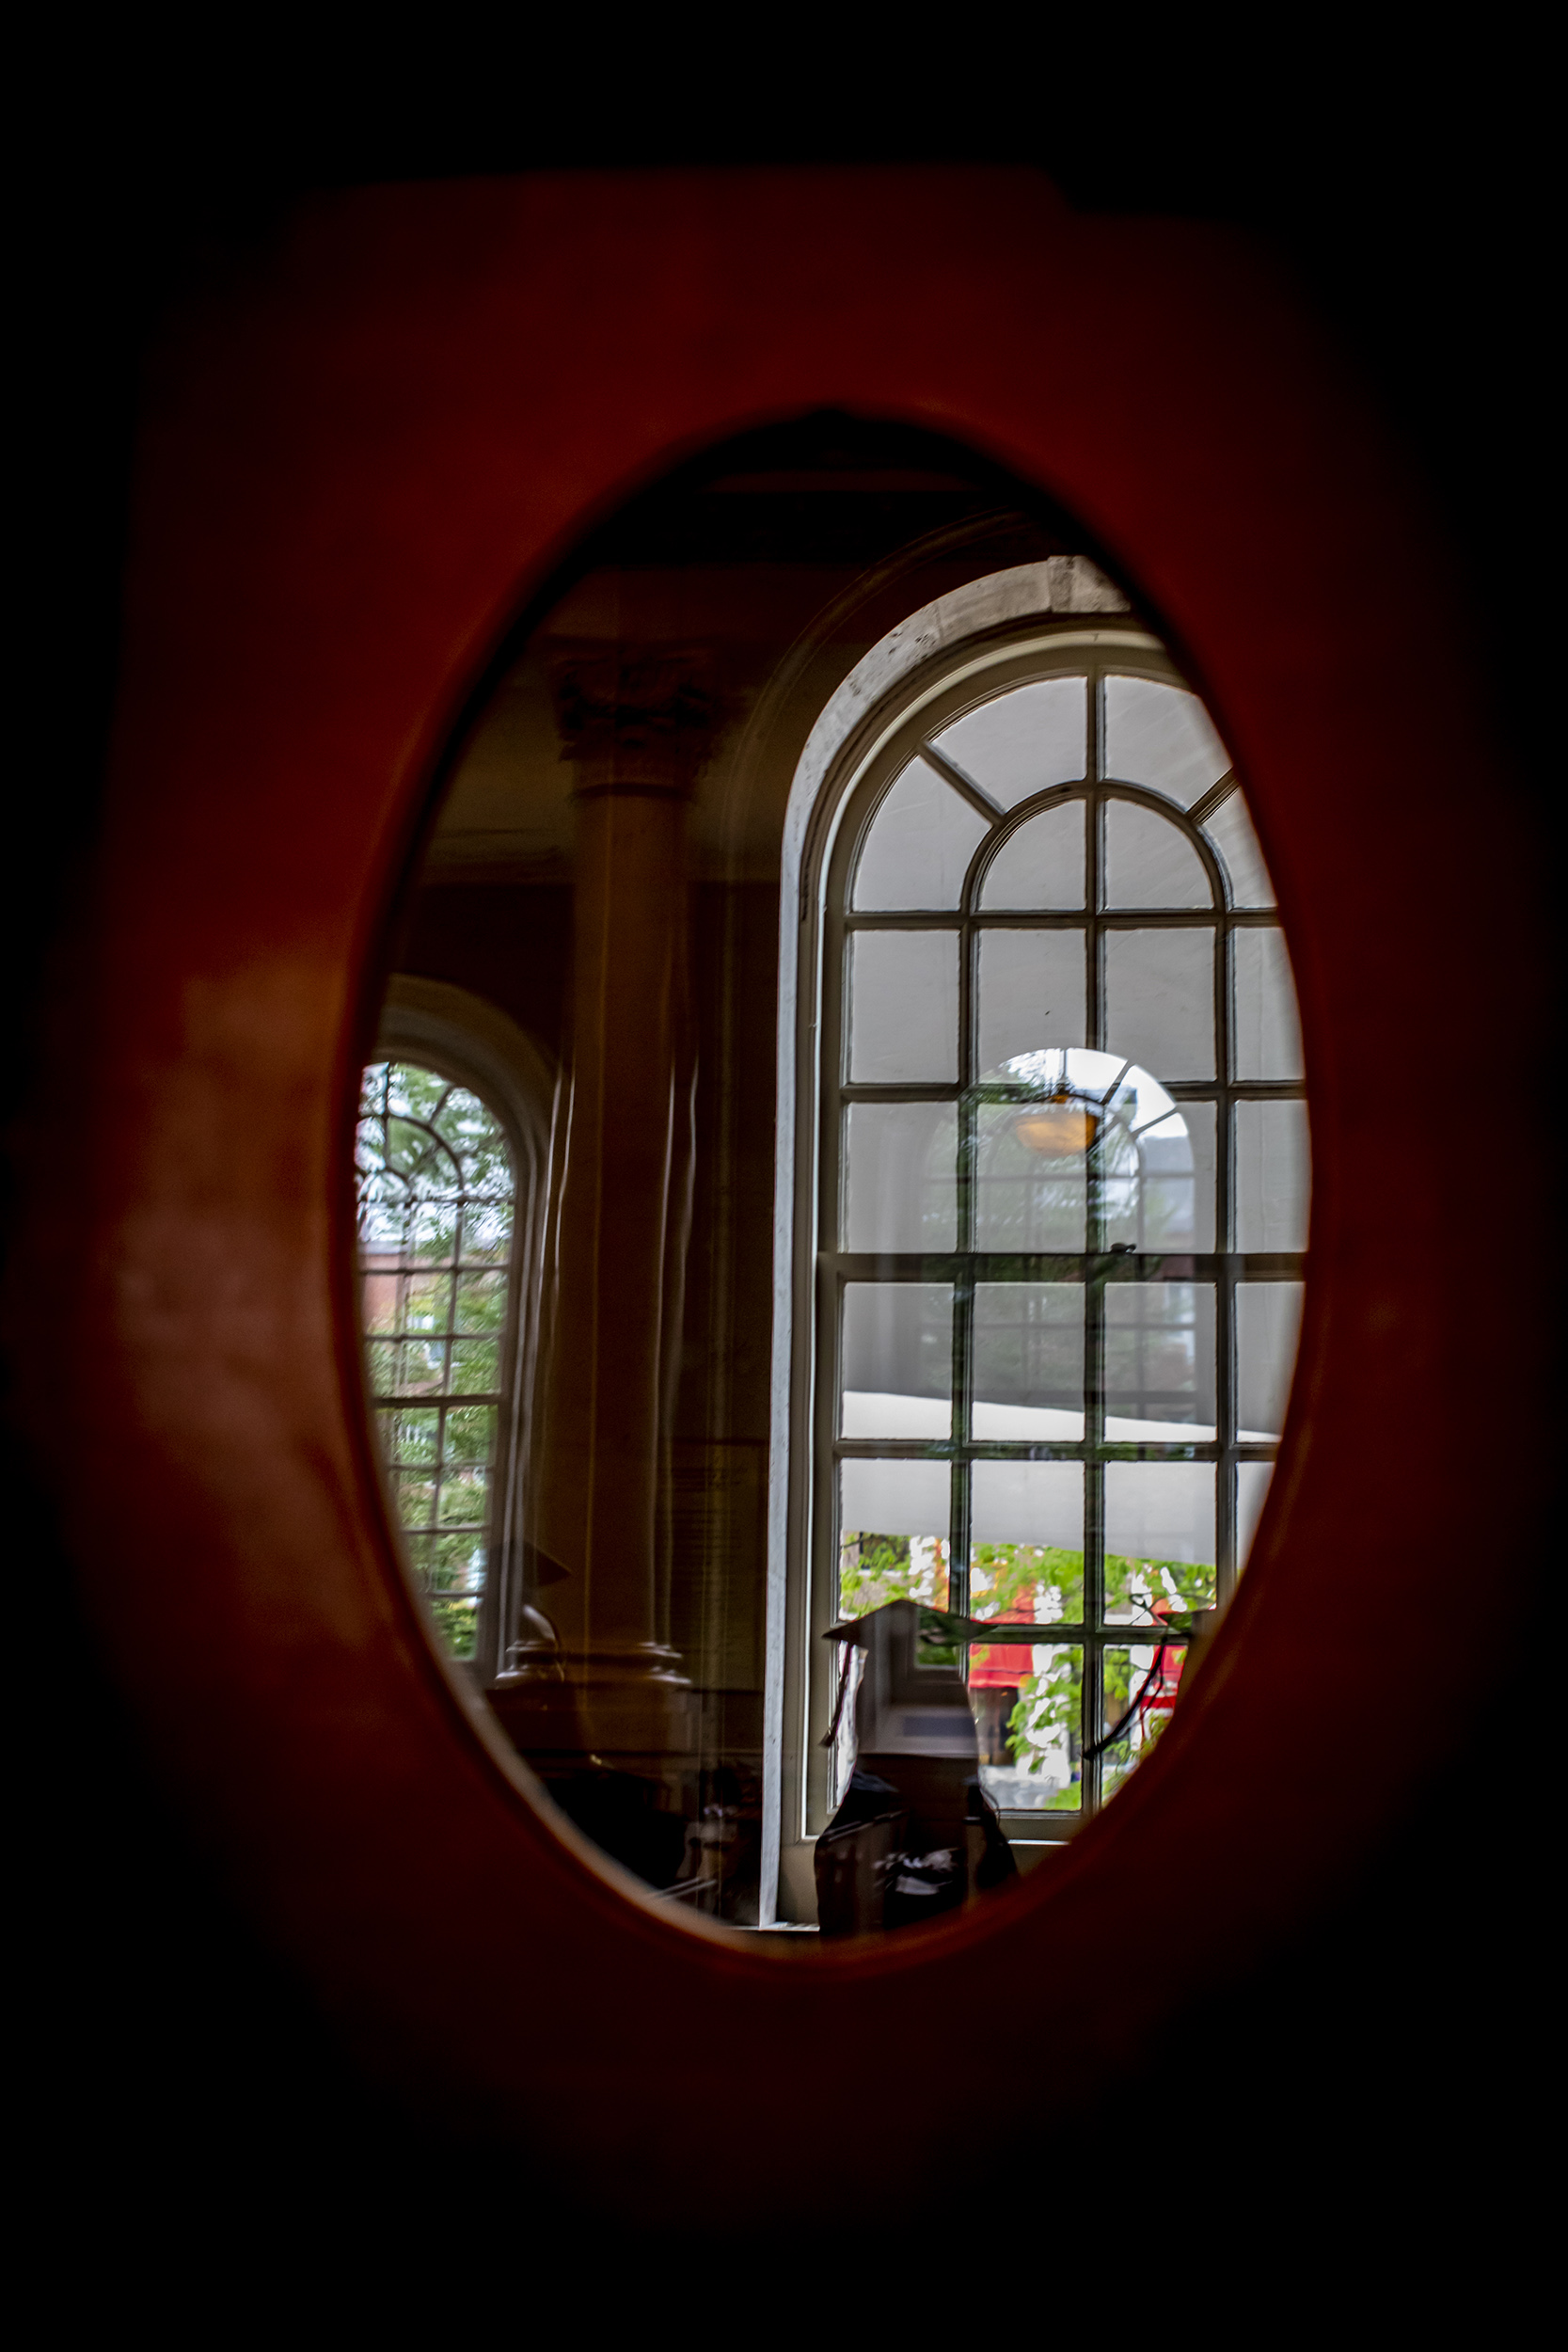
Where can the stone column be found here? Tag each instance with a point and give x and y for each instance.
(635, 724)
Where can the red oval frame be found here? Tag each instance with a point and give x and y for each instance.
(355, 466)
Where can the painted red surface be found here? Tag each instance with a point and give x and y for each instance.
(999, 1668)
(356, 464)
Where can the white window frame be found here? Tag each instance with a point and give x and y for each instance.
(1008, 626)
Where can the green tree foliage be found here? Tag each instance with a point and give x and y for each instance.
(1052, 1703)
(874, 1569)
(1047, 1583)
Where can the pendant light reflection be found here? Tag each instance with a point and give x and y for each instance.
(1064, 1124)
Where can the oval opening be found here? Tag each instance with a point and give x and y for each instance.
(833, 1184)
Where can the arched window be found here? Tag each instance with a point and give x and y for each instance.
(438, 1219)
(450, 1162)
(1051, 1191)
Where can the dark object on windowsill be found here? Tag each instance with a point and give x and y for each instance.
(915, 1836)
(876, 1870)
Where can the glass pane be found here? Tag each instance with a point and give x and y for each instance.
(1029, 1361)
(427, 1302)
(1272, 1176)
(480, 1302)
(899, 1500)
(1163, 1199)
(1160, 735)
(896, 1374)
(1159, 1000)
(1031, 993)
(1031, 1714)
(1023, 1201)
(431, 1233)
(418, 1370)
(1159, 1362)
(1026, 1523)
(1230, 830)
(900, 1179)
(875, 1568)
(1148, 863)
(475, 1367)
(415, 1498)
(1267, 1026)
(1140, 1688)
(1252, 1486)
(1042, 866)
(1143, 1174)
(1159, 1537)
(487, 1232)
(903, 1005)
(463, 1498)
(411, 1437)
(1021, 743)
(917, 851)
(470, 1433)
(380, 1307)
(452, 1569)
(1268, 1325)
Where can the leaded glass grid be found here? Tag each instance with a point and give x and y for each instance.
(437, 1213)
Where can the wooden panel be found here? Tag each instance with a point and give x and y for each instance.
(357, 467)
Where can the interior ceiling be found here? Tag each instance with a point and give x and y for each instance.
(742, 551)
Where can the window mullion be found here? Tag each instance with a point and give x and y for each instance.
(1224, 1236)
(963, 1292)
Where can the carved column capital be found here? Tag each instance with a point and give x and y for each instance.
(633, 718)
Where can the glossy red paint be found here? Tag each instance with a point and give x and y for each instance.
(357, 465)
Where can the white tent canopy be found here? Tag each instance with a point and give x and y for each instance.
(1153, 1510)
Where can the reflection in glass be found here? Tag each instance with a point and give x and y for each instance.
(1129, 1152)
(908, 1504)
(435, 1213)
(1230, 830)
(1252, 1487)
(1268, 1025)
(1040, 1505)
(919, 846)
(1028, 1360)
(1031, 993)
(1139, 1693)
(897, 1360)
(1159, 1000)
(1022, 1199)
(1149, 862)
(1078, 1189)
(1041, 865)
(1160, 1362)
(903, 1006)
(899, 1183)
(1268, 1324)
(880, 1560)
(1022, 741)
(1272, 1176)
(1175, 1205)
(1160, 737)
(1029, 1711)
(1160, 1516)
